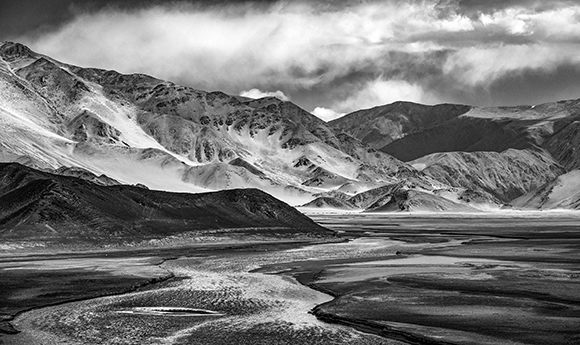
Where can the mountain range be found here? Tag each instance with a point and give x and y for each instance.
(505, 152)
(117, 129)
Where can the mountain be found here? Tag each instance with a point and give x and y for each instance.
(564, 142)
(137, 129)
(382, 125)
(39, 207)
(500, 152)
(415, 200)
(561, 193)
(112, 129)
(504, 176)
(423, 130)
(415, 193)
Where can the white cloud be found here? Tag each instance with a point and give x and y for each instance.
(380, 92)
(482, 66)
(241, 46)
(515, 21)
(256, 93)
(546, 25)
(326, 114)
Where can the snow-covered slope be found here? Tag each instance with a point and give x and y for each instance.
(561, 193)
(137, 129)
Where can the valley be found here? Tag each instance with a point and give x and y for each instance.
(398, 279)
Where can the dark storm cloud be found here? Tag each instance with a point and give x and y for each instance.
(23, 16)
(473, 7)
(535, 86)
(478, 36)
(18, 17)
(333, 56)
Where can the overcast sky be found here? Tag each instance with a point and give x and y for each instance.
(330, 57)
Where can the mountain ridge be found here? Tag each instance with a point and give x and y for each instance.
(135, 129)
(87, 117)
(51, 209)
(502, 152)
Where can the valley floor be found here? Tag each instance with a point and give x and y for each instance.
(399, 279)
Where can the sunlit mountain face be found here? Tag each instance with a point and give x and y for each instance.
(137, 129)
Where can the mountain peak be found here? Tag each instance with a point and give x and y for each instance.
(12, 50)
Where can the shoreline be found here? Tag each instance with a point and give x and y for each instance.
(443, 214)
(368, 327)
(7, 328)
(7, 322)
(54, 252)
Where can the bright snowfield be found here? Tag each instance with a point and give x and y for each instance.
(29, 135)
(562, 193)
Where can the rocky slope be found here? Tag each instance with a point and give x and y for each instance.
(564, 143)
(505, 176)
(500, 152)
(137, 129)
(39, 207)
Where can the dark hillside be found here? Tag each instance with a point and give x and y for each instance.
(39, 206)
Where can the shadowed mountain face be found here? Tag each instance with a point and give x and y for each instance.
(382, 125)
(564, 144)
(139, 129)
(463, 134)
(423, 130)
(38, 206)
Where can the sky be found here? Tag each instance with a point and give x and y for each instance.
(329, 57)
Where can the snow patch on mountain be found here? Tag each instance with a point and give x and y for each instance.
(561, 193)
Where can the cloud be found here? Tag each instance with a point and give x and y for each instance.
(483, 66)
(341, 56)
(379, 92)
(326, 114)
(256, 93)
